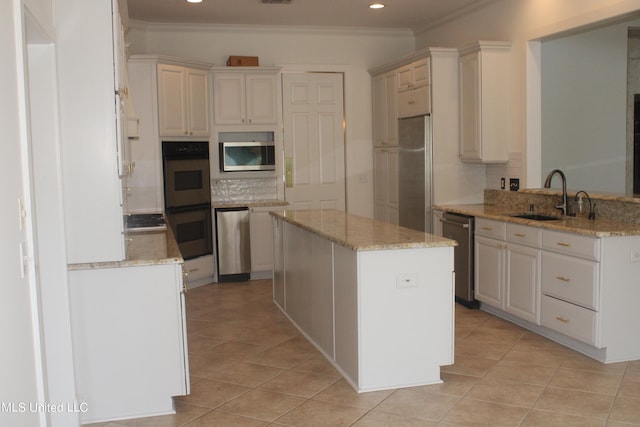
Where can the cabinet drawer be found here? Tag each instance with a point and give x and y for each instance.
(490, 228)
(577, 322)
(570, 279)
(524, 235)
(414, 102)
(571, 244)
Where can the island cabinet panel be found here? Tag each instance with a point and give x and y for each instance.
(346, 299)
(382, 314)
(309, 287)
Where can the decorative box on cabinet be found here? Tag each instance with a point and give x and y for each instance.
(245, 97)
(484, 102)
(183, 101)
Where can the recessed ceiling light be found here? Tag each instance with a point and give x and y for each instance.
(194, 1)
(376, 6)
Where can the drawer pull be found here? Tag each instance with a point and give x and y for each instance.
(566, 245)
(487, 228)
(562, 319)
(519, 234)
(564, 279)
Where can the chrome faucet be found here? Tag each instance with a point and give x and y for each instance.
(547, 184)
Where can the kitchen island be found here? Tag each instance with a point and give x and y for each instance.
(375, 298)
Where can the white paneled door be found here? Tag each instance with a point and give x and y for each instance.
(313, 115)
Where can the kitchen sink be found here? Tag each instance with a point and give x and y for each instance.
(536, 217)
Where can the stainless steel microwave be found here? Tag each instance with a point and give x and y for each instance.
(247, 156)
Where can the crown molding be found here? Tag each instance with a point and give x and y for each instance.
(453, 16)
(272, 29)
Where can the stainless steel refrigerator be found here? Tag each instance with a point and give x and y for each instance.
(415, 173)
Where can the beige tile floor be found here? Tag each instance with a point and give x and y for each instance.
(250, 367)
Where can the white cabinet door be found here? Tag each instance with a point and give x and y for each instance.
(523, 282)
(261, 99)
(414, 75)
(229, 96)
(198, 102)
(484, 102)
(261, 240)
(385, 112)
(183, 101)
(244, 98)
(489, 271)
(386, 184)
(172, 100)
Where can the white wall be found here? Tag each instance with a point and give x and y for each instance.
(353, 50)
(521, 21)
(584, 107)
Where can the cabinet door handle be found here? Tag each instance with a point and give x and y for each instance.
(519, 234)
(562, 319)
(412, 102)
(566, 245)
(563, 278)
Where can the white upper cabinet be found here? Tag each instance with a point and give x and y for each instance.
(89, 130)
(414, 75)
(243, 97)
(414, 90)
(385, 110)
(484, 102)
(183, 101)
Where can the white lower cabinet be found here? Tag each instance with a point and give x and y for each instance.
(523, 262)
(507, 273)
(571, 285)
(129, 340)
(578, 290)
(489, 262)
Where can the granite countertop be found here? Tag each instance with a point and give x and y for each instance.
(143, 248)
(359, 233)
(248, 203)
(598, 228)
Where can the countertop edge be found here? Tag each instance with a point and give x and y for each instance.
(442, 241)
(595, 228)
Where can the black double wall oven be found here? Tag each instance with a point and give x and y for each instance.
(187, 195)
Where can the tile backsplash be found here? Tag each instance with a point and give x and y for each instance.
(243, 189)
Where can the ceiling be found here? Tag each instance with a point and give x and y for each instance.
(397, 14)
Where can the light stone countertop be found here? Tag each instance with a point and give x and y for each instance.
(248, 203)
(143, 248)
(598, 228)
(359, 233)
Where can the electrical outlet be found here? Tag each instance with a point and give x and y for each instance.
(514, 184)
(407, 280)
(503, 183)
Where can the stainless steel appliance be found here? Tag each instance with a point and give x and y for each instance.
(460, 228)
(247, 156)
(233, 244)
(144, 222)
(187, 196)
(415, 177)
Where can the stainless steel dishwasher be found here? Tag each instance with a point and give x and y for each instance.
(233, 244)
(460, 228)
